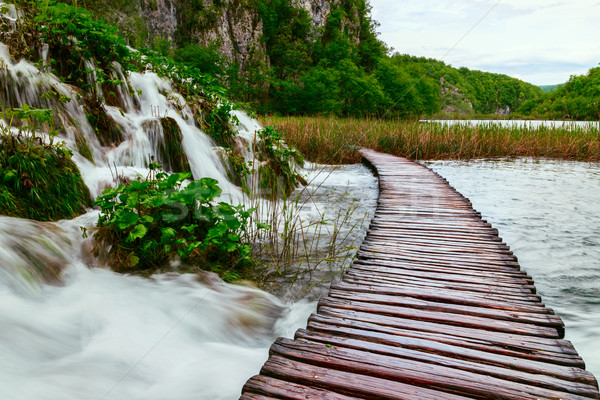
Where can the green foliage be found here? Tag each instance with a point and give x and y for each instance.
(37, 180)
(205, 58)
(278, 168)
(72, 35)
(578, 99)
(150, 221)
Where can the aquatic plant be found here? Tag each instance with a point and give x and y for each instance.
(337, 140)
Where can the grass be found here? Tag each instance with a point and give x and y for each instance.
(307, 244)
(336, 140)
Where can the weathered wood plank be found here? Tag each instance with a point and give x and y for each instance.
(438, 377)
(578, 383)
(442, 317)
(265, 385)
(486, 351)
(363, 386)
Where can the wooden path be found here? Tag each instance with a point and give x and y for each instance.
(435, 307)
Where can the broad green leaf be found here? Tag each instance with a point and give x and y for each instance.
(137, 233)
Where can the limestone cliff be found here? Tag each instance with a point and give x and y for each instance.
(234, 25)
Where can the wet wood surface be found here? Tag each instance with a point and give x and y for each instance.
(435, 306)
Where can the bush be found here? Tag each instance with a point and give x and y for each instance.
(37, 180)
(149, 222)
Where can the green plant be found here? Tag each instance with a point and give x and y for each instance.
(279, 162)
(38, 180)
(150, 221)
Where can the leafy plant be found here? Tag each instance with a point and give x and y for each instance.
(151, 221)
(278, 170)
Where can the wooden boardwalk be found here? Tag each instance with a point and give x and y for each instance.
(435, 307)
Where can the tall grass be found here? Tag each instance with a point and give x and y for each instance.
(335, 140)
(307, 243)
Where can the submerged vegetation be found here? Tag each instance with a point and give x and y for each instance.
(337, 140)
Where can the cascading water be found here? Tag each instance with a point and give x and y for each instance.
(72, 329)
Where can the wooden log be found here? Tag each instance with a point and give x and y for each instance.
(281, 389)
(365, 387)
(441, 317)
(482, 350)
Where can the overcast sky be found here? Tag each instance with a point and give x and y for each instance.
(542, 42)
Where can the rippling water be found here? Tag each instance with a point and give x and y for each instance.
(549, 213)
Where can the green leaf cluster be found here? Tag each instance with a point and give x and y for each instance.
(278, 170)
(153, 220)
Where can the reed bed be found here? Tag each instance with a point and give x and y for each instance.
(334, 140)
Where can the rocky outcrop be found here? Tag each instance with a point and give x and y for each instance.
(318, 10)
(160, 17)
(234, 25)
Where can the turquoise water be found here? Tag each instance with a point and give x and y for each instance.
(549, 213)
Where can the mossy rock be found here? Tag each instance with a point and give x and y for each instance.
(40, 184)
(165, 136)
(107, 130)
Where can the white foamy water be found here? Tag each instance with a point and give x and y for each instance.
(73, 329)
(548, 212)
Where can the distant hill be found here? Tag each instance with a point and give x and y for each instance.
(549, 88)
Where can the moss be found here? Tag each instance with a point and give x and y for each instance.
(40, 184)
(171, 149)
(83, 148)
(165, 136)
(107, 130)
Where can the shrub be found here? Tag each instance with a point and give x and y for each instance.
(38, 180)
(149, 222)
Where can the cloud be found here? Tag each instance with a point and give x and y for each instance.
(521, 36)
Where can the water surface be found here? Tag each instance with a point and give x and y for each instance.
(549, 213)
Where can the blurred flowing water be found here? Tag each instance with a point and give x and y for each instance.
(548, 212)
(73, 329)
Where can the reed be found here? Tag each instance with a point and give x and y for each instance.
(306, 245)
(336, 140)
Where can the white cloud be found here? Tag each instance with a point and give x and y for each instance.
(540, 41)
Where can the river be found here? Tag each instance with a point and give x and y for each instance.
(549, 213)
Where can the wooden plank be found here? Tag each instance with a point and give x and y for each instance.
(441, 316)
(528, 304)
(417, 373)
(574, 382)
(441, 259)
(433, 281)
(380, 261)
(388, 264)
(396, 258)
(363, 386)
(268, 386)
(396, 344)
(508, 340)
(486, 350)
